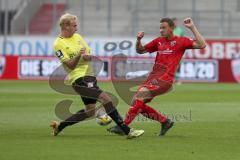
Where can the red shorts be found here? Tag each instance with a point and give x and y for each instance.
(156, 86)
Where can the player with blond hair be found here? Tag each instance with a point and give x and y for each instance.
(74, 54)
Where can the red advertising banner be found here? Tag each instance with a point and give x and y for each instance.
(190, 70)
(8, 67)
(229, 70)
(40, 68)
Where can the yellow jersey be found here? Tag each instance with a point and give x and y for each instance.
(67, 48)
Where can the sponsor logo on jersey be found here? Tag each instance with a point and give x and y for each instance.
(59, 54)
(173, 43)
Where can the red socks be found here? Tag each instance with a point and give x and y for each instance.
(152, 114)
(133, 111)
(145, 110)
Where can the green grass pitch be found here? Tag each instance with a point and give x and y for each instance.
(207, 126)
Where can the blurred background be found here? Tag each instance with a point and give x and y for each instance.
(205, 107)
(28, 29)
(215, 18)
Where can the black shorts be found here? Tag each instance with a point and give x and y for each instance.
(87, 88)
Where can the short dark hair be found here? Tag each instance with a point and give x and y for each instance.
(169, 21)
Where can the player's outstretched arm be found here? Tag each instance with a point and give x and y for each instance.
(200, 42)
(139, 47)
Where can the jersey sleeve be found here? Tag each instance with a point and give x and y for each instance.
(84, 44)
(151, 46)
(60, 52)
(187, 43)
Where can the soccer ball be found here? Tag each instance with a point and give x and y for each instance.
(102, 118)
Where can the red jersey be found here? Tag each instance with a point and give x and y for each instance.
(169, 54)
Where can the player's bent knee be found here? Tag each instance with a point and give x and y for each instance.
(143, 96)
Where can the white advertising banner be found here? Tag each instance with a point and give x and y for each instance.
(42, 46)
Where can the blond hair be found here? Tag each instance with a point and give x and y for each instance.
(66, 19)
